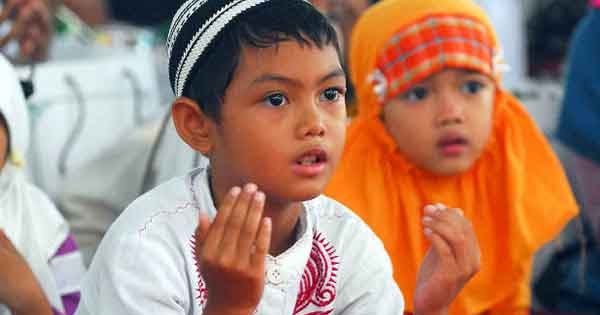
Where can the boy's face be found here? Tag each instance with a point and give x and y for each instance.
(443, 123)
(282, 121)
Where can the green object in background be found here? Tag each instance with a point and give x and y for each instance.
(67, 22)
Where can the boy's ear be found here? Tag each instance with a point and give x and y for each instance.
(193, 126)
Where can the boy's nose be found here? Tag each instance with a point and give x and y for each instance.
(311, 124)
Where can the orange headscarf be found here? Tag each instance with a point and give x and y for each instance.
(516, 194)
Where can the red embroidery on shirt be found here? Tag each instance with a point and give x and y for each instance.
(202, 290)
(318, 285)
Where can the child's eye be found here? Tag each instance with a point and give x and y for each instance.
(332, 95)
(415, 94)
(276, 100)
(472, 87)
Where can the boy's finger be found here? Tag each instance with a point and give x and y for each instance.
(215, 233)
(234, 225)
(251, 226)
(262, 244)
(201, 230)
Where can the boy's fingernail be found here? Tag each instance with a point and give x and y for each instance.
(235, 191)
(440, 206)
(427, 231)
(427, 219)
(259, 196)
(250, 188)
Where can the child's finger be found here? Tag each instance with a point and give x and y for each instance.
(215, 233)
(234, 225)
(434, 209)
(201, 231)
(202, 228)
(251, 226)
(430, 210)
(451, 226)
(262, 244)
(438, 243)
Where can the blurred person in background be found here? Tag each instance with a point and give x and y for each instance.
(40, 265)
(570, 283)
(138, 12)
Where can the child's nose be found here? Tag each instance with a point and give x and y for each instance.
(311, 122)
(450, 112)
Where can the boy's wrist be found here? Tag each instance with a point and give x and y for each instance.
(213, 309)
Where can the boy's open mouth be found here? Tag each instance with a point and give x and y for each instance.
(311, 163)
(315, 156)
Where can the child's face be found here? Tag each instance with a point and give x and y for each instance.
(282, 121)
(3, 144)
(443, 123)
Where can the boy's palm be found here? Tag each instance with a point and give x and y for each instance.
(231, 252)
(450, 263)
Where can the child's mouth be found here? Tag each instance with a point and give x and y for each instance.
(453, 145)
(310, 163)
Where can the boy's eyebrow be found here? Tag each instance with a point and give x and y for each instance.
(339, 72)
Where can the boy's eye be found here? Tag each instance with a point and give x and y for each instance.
(415, 94)
(472, 87)
(331, 95)
(276, 100)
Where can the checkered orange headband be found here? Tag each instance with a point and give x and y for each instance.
(428, 46)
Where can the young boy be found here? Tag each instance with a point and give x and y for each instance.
(40, 266)
(260, 92)
(435, 125)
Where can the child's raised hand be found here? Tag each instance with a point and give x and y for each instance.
(231, 252)
(19, 289)
(450, 263)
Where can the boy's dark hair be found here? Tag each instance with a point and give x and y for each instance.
(263, 26)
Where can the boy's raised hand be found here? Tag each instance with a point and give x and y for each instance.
(231, 252)
(452, 260)
(19, 289)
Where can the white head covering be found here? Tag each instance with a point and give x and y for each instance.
(14, 109)
(29, 219)
(195, 26)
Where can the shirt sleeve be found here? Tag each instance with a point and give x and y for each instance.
(67, 268)
(137, 274)
(368, 286)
